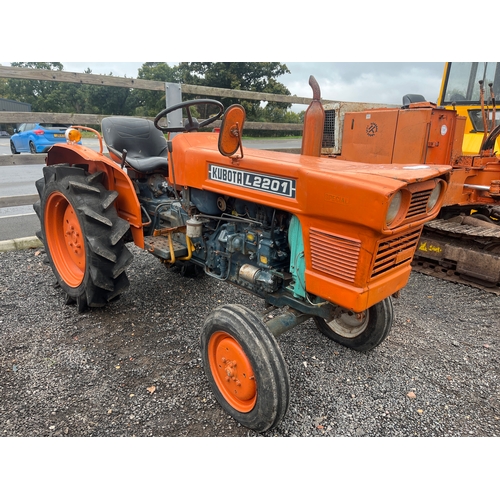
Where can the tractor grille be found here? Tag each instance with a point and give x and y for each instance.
(394, 251)
(418, 204)
(329, 129)
(334, 255)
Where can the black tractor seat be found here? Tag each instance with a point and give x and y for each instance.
(146, 146)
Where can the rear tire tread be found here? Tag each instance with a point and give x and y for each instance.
(107, 256)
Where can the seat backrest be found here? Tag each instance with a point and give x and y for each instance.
(411, 98)
(138, 136)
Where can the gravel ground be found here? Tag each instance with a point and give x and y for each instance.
(134, 367)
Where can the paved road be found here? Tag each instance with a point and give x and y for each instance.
(19, 221)
(18, 180)
(19, 225)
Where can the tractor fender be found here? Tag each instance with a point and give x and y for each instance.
(127, 204)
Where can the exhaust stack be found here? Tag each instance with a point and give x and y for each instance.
(314, 122)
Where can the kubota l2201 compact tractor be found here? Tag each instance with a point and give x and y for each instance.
(314, 237)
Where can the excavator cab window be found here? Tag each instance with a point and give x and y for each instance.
(461, 84)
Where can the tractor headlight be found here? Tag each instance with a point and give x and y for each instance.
(394, 207)
(434, 197)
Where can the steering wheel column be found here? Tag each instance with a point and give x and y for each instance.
(191, 123)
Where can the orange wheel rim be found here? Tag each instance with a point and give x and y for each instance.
(65, 239)
(232, 372)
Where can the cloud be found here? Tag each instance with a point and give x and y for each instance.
(384, 83)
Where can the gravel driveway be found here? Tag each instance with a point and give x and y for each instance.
(134, 367)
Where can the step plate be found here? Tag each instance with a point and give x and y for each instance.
(158, 246)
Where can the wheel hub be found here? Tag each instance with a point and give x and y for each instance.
(65, 239)
(72, 233)
(232, 372)
(349, 324)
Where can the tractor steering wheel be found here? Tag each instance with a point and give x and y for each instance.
(192, 123)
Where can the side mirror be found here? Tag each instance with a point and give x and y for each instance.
(231, 130)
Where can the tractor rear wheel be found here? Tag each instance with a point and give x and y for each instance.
(361, 332)
(245, 367)
(83, 235)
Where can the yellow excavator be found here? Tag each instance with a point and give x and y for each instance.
(470, 89)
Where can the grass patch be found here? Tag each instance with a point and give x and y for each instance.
(285, 138)
(88, 135)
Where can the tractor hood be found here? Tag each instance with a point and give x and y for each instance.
(407, 173)
(186, 145)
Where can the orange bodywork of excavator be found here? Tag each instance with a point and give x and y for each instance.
(463, 243)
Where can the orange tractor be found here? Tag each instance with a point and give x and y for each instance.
(315, 238)
(463, 243)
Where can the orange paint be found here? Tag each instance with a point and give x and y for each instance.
(127, 204)
(65, 239)
(232, 371)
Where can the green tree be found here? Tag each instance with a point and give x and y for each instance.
(59, 97)
(252, 76)
(108, 100)
(151, 102)
(38, 93)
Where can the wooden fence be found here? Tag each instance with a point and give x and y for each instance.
(135, 83)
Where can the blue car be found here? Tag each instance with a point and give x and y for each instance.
(37, 137)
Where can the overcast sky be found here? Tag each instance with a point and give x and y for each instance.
(383, 82)
(343, 81)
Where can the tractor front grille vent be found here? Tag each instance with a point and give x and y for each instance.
(329, 129)
(395, 251)
(418, 204)
(334, 255)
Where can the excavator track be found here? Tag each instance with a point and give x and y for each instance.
(488, 234)
(456, 251)
(430, 269)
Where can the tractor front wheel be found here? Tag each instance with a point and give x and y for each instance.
(359, 331)
(83, 235)
(245, 367)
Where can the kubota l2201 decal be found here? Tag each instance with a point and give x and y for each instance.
(261, 182)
